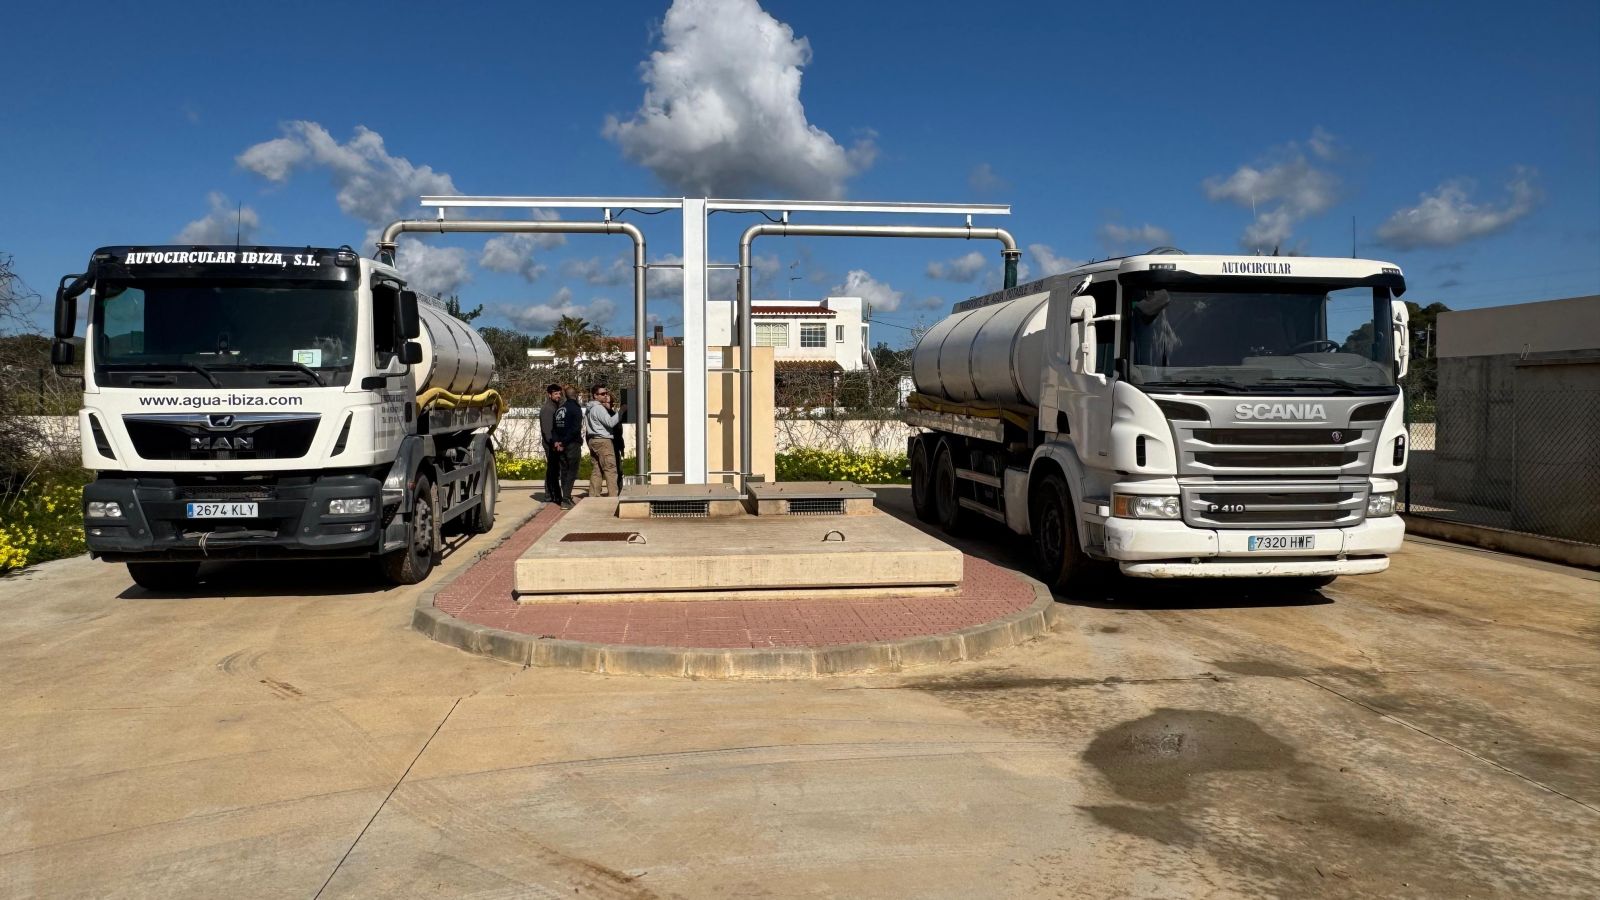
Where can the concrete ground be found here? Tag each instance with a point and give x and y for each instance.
(1432, 731)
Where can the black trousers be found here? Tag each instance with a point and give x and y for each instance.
(571, 457)
(552, 473)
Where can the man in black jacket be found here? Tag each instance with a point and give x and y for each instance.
(553, 398)
(567, 431)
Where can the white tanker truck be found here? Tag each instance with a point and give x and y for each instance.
(274, 402)
(1173, 415)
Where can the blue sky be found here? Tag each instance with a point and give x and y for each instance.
(1465, 144)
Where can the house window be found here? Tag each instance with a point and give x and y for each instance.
(772, 334)
(813, 334)
(838, 333)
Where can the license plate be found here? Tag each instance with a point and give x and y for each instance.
(1283, 542)
(214, 510)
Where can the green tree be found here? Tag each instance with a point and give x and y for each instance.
(573, 337)
(510, 348)
(452, 305)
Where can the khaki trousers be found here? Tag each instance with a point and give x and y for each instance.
(603, 474)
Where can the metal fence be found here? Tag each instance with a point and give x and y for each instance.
(1517, 455)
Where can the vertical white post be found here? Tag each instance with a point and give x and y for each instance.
(694, 341)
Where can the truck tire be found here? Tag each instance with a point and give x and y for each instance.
(1055, 534)
(164, 576)
(947, 511)
(481, 520)
(412, 563)
(922, 483)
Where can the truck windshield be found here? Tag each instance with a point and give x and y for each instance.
(225, 334)
(1267, 340)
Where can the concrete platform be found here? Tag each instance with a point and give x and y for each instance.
(798, 498)
(592, 555)
(645, 501)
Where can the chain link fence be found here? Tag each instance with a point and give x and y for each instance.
(1518, 453)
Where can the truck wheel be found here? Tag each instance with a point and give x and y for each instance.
(412, 563)
(164, 576)
(947, 510)
(1055, 534)
(482, 518)
(921, 483)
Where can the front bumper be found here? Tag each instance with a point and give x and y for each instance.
(1154, 548)
(293, 519)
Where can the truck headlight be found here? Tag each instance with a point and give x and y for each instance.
(350, 506)
(104, 509)
(1379, 505)
(1134, 506)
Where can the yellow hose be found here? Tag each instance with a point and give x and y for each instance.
(446, 400)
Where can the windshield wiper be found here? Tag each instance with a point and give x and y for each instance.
(1228, 386)
(1331, 382)
(282, 367)
(158, 367)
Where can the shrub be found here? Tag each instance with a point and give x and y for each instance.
(513, 468)
(861, 467)
(42, 520)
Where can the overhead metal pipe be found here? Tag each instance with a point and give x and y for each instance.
(386, 251)
(1009, 252)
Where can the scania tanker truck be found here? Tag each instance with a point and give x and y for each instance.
(1173, 415)
(274, 403)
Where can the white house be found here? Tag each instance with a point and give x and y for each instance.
(833, 330)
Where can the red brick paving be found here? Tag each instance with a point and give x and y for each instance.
(483, 594)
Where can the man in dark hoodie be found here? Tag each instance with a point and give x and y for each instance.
(567, 429)
(553, 398)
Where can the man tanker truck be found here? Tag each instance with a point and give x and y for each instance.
(274, 402)
(1174, 416)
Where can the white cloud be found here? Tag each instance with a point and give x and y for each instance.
(964, 269)
(432, 270)
(983, 180)
(878, 295)
(667, 283)
(222, 225)
(721, 114)
(541, 316)
(1281, 191)
(597, 272)
(1133, 237)
(1448, 217)
(930, 303)
(1049, 262)
(373, 185)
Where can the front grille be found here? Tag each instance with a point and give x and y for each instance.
(226, 492)
(680, 509)
(1245, 459)
(1281, 437)
(271, 440)
(1237, 505)
(812, 506)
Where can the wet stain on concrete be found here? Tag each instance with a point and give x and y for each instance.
(1156, 758)
(1161, 825)
(1110, 629)
(993, 683)
(1258, 667)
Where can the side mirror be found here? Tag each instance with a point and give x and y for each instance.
(1401, 326)
(410, 320)
(410, 352)
(1082, 334)
(66, 311)
(62, 353)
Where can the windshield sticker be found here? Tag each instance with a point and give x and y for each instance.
(311, 359)
(222, 257)
(1256, 268)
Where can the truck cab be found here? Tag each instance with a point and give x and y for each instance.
(262, 402)
(1187, 416)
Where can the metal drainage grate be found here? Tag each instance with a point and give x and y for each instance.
(816, 506)
(680, 509)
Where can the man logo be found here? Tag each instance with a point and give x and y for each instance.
(223, 442)
(220, 420)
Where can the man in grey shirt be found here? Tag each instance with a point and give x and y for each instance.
(600, 420)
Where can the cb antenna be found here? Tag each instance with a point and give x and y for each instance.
(1352, 237)
(238, 226)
